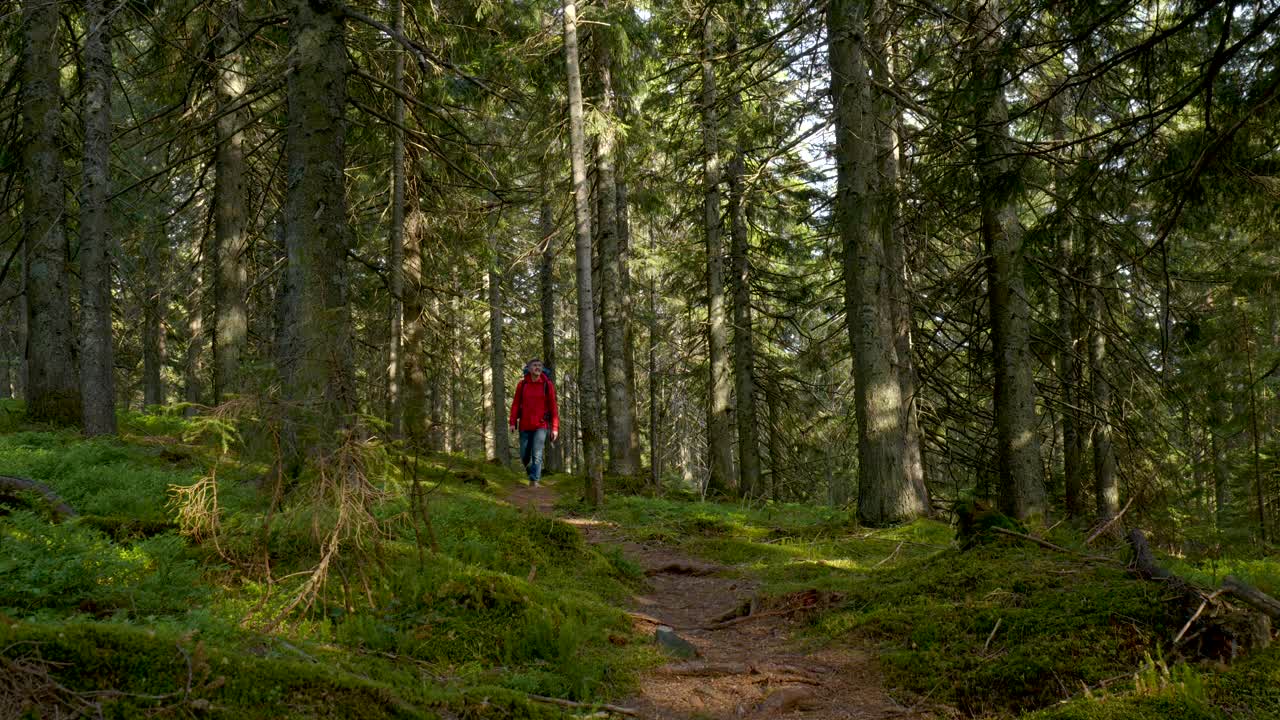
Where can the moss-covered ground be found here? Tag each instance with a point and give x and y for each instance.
(119, 611)
(131, 609)
(1002, 630)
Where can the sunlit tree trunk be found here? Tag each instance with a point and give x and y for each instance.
(888, 151)
(588, 392)
(319, 363)
(97, 372)
(885, 495)
(722, 480)
(230, 316)
(397, 259)
(743, 335)
(53, 385)
(1022, 489)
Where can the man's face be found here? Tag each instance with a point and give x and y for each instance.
(535, 369)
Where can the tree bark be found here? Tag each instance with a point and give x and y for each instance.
(888, 151)
(884, 493)
(53, 385)
(414, 372)
(1022, 489)
(487, 436)
(497, 358)
(398, 259)
(587, 388)
(154, 262)
(1107, 491)
(743, 338)
(620, 418)
(230, 315)
(655, 387)
(97, 366)
(547, 301)
(722, 480)
(319, 366)
(193, 359)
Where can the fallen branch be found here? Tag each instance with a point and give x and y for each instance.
(992, 636)
(680, 568)
(890, 557)
(60, 509)
(1203, 604)
(772, 673)
(1051, 546)
(748, 618)
(1109, 523)
(616, 709)
(1252, 597)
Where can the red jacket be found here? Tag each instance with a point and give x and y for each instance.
(534, 401)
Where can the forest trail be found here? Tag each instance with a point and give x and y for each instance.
(751, 669)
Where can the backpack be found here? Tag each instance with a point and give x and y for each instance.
(546, 393)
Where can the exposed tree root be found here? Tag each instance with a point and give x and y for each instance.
(682, 568)
(759, 672)
(615, 709)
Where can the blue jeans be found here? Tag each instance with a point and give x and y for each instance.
(531, 444)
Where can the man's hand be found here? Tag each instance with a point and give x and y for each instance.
(513, 427)
(554, 434)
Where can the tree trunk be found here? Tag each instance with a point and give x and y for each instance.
(97, 366)
(1022, 489)
(438, 360)
(53, 386)
(722, 479)
(888, 151)
(547, 301)
(743, 338)
(230, 315)
(155, 258)
(319, 365)
(497, 359)
(193, 360)
(454, 430)
(414, 372)
(395, 364)
(655, 389)
(587, 388)
(487, 436)
(620, 418)
(624, 285)
(1104, 461)
(884, 493)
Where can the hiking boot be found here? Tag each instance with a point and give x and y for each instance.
(533, 483)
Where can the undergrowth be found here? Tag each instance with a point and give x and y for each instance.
(1004, 629)
(466, 607)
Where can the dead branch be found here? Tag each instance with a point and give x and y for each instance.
(1109, 523)
(60, 509)
(618, 710)
(1051, 546)
(681, 568)
(760, 673)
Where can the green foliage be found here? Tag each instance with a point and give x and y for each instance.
(509, 600)
(70, 567)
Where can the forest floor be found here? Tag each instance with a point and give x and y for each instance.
(749, 666)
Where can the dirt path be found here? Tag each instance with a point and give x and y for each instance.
(747, 669)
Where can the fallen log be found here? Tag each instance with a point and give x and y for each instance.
(60, 509)
(1252, 597)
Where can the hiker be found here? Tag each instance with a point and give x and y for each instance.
(534, 413)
